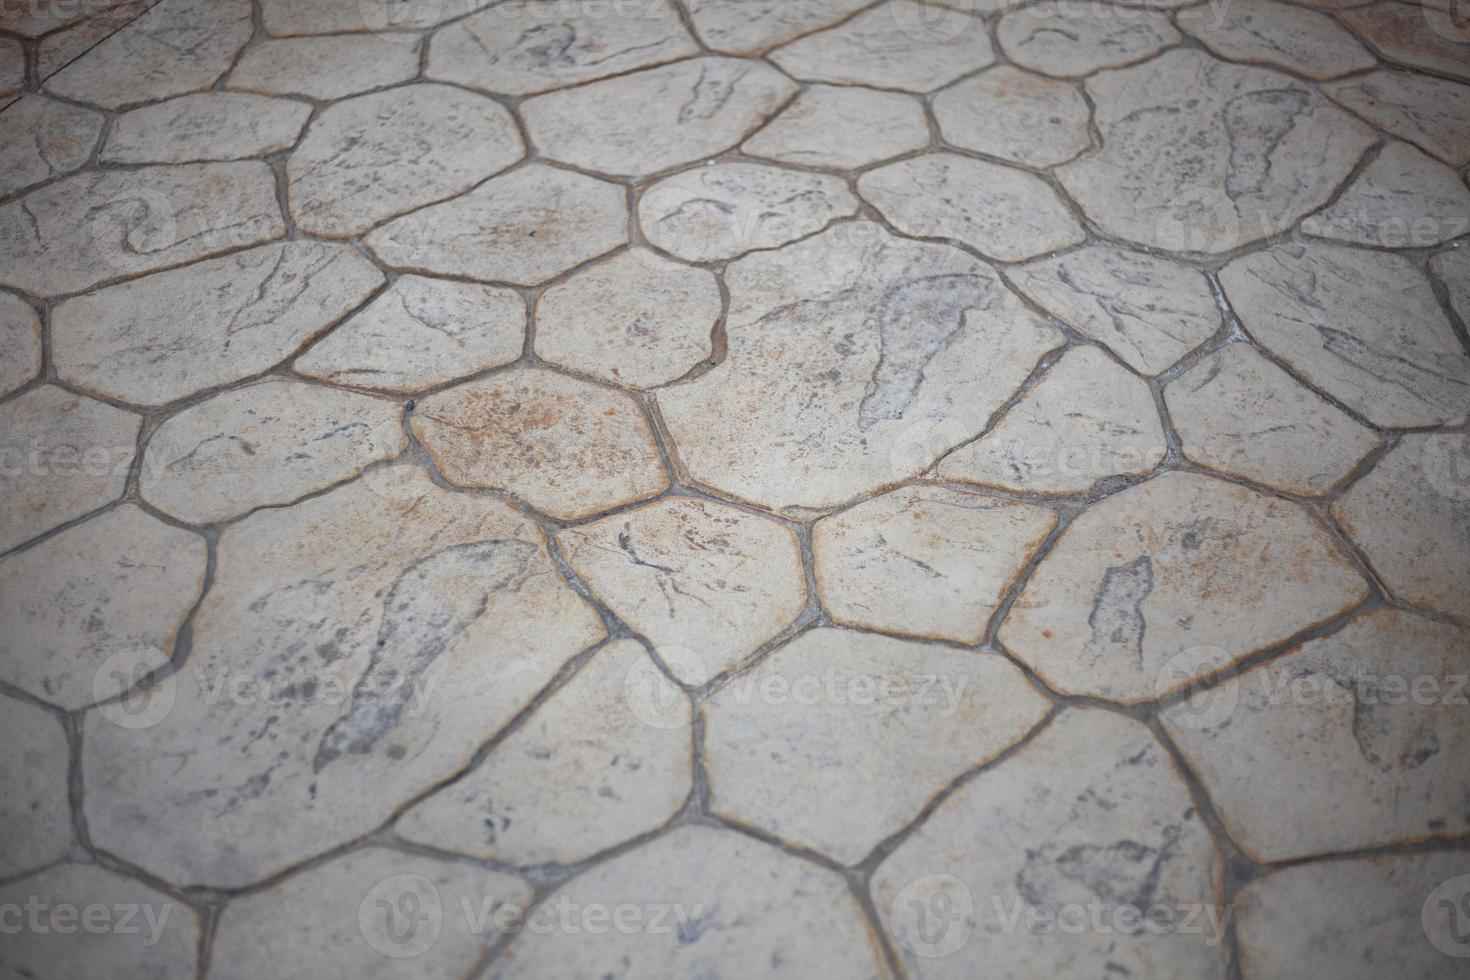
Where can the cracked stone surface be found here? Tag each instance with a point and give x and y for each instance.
(828, 126)
(20, 336)
(1061, 39)
(745, 27)
(34, 816)
(42, 138)
(331, 67)
(1281, 34)
(208, 126)
(1431, 113)
(1403, 199)
(1425, 36)
(1014, 115)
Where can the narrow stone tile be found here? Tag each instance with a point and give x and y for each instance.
(1014, 115)
(392, 19)
(1431, 113)
(1282, 34)
(1453, 269)
(35, 814)
(746, 27)
(1426, 36)
(1058, 38)
(842, 127)
(12, 67)
(331, 67)
(1403, 199)
(20, 337)
(207, 126)
(41, 138)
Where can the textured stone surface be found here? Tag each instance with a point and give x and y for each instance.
(1427, 36)
(35, 815)
(58, 49)
(331, 67)
(1058, 38)
(842, 127)
(12, 67)
(41, 138)
(1453, 269)
(1266, 31)
(20, 337)
(207, 126)
(394, 19)
(1431, 113)
(1014, 115)
(745, 27)
(1403, 199)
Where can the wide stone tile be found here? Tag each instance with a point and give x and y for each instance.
(568, 448)
(167, 336)
(723, 211)
(41, 138)
(368, 642)
(1281, 34)
(1200, 155)
(375, 156)
(331, 67)
(1237, 412)
(391, 19)
(1431, 113)
(1002, 213)
(1354, 740)
(1088, 822)
(1014, 115)
(925, 561)
(419, 334)
(523, 228)
(1087, 420)
(756, 26)
(20, 337)
(637, 319)
(1058, 38)
(715, 904)
(1364, 326)
(639, 124)
(206, 126)
(1403, 199)
(35, 815)
(705, 583)
(583, 774)
(842, 127)
(1172, 580)
(905, 349)
(1425, 36)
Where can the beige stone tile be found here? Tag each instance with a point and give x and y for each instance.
(56, 50)
(1403, 199)
(1280, 34)
(41, 138)
(1015, 115)
(1059, 38)
(20, 336)
(1431, 113)
(391, 19)
(205, 126)
(842, 127)
(35, 814)
(1426, 36)
(746, 27)
(331, 67)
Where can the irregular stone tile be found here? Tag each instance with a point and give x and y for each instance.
(167, 336)
(1364, 326)
(1087, 420)
(1431, 113)
(746, 27)
(705, 583)
(639, 124)
(35, 813)
(891, 46)
(1403, 199)
(20, 338)
(91, 227)
(41, 138)
(120, 583)
(65, 456)
(177, 47)
(1005, 214)
(841, 127)
(537, 45)
(523, 227)
(905, 349)
(1282, 34)
(369, 641)
(1180, 563)
(375, 156)
(1058, 38)
(1147, 310)
(32, 20)
(568, 448)
(1425, 36)
(1089, 822)
(583, 774)
(925, 561)
(1353, 740)
(728, 906)
(265, 445)
(349, 916)
(1453, 269)
(723, 211)
(1237, 412)
(59, 49)
(419, 334)
(332, 67)
(12, 66)
(206, 126)
(1014, 115)
(1200, 155)
(391, 19)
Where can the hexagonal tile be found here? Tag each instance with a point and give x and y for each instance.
(35, 815)
(41, 138)
(1431, 113)
(1015, 115)
(330, 67)
(206, 126)
(1403, 199)
(743, 27)
(20, 336)
(1426, 36)
(1058, 38)
(842, 127)
(1281, 34)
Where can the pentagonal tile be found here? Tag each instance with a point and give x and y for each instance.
(394, 19)
(35, 815)
(1015, 115)
(1057, 38)
(1453, 269)
(164, 337)
(705, 583)
(583, 774)
(568, 448)
(743, 27)
(1172, 580)
(1089, 822)
(925, 561)
(1087, 420)
(205, 126)
(331, 67)
(354, 651)
(842, 127)
(1403, 199)
(1281, 34)
(1431, 113)
(41, 138)
(1427, 36)
(20, 337)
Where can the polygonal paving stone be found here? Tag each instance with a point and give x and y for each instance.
(1425, 36)
(1058, 38)
(1281, 34)
(1354, 740)
(1237, 412)
(745, 27)
(91, 227)
(1003, 213)
(537, 45)
(725, 210)
(119, 584)
(1431, 113)
(1087, 420)
(705, 583)
(164, 337)
(41, 138)
(1015, 115)
(568, 448)
(637, 319)
(1410, 516)
(583, 774)
(263, 446)
(354, 651)
(1147, 310)
(523, 227)
(331, 67)
(374, 156)
(419, 334)
(1453, 269)
(1172, 580)
(1200, 155)
(395, 19)
(1364, 326)
(374, 913)
(206, 126)
(925, 561)
(639, 124)
(1088, 823)
(842, 127)
(894, 45)
(60, 48)
(65, 455)
(714, 904)
(1403, 199)
(905, 349)
(35, 814)
(184, 46)
(20, 338)
(12, 67)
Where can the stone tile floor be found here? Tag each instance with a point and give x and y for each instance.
(735, 488)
